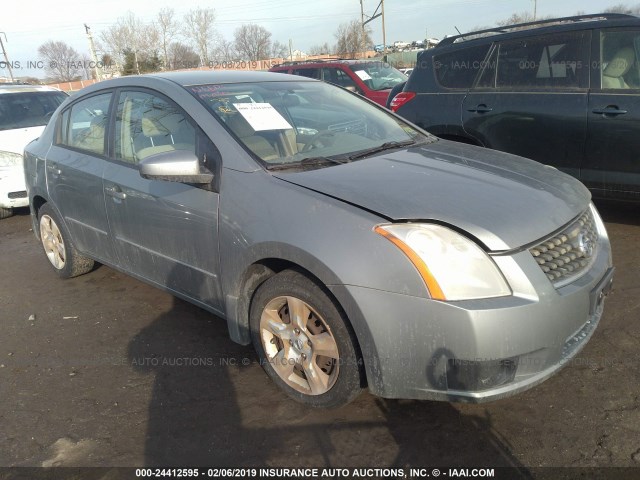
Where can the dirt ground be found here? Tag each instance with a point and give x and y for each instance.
(103, 370)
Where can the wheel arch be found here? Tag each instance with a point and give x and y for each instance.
(238, 305)
(36, 204)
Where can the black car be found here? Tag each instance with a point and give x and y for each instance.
(564, 92)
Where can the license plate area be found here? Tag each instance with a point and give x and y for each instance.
(600, 292)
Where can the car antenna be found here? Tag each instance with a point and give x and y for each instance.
(459, 32)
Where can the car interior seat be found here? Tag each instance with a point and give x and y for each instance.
(93, 138)
(617, 68)
(160, 132)
(257, 144)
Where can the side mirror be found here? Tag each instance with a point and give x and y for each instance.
(175, 166)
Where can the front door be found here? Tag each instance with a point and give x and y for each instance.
(612, 163)
(165, 232)
(531, 99)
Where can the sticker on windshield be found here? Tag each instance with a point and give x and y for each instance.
(262, 116)
(363, 75)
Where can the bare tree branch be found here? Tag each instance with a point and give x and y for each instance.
(200, 30)
(62, 62)
(253, 42)
(351, 38)
(168, 30)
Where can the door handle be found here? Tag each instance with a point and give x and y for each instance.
(482, 108)
(609, 111)
(54, 169)
(115, 193)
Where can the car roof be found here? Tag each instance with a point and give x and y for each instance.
(327, 62)
(203, 77)
(553, 25)
(4, 89)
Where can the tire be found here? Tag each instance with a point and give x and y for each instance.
(289, 348)
(5, 212)
(58, 247)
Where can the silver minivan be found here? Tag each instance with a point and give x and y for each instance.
(352, 248)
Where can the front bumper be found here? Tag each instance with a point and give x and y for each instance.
(477, 350)
(13, 192)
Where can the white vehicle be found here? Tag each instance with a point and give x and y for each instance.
(24, 112)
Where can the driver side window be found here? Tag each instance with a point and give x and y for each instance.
(147, 124)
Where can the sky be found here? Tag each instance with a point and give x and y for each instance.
(28, 24)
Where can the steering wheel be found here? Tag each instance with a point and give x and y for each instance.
(316, 141)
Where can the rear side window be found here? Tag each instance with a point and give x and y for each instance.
(28, 109)
(557, 61)
(308, 72)
(83, 126)
(459, 69)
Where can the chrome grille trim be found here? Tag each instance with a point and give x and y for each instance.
(566, 256)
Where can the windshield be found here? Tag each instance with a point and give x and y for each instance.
(28, 109)
(378, 75)
(303, 123)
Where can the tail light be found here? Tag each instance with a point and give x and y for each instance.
(400, 99)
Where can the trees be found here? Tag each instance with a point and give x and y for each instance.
(252, 42)
(624, 8)
(200, 30)
(352, 38)
(129, 36)
(61, 61)
(180, 56)
(168, 30)
(319, 49)
(279, 50)
(226, 51)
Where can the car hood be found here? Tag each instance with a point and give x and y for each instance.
(16, 139)
(504, 201)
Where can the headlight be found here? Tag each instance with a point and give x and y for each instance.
(10, 159)
(452, 266)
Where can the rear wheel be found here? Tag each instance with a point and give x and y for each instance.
(58, 247)
(304, 342)
(5, 212)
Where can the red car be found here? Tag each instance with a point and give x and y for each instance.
(370, 78)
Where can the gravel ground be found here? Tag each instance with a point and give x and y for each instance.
(103, 370)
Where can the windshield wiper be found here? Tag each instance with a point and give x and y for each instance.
(382, 148)
(307, 162)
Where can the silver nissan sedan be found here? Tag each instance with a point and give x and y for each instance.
(352, 248)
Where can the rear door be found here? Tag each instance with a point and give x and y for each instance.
(165, 232)
(531, 99)
(612, 161)
(74, 167)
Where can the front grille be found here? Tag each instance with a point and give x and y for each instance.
(568, 254)
(357, 127)
(22, 194)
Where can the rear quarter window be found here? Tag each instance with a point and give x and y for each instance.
(459, 69)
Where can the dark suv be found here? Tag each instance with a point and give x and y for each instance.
(564, 92)
(370, 78)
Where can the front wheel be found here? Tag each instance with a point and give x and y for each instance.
(58, 247)
(304, 342)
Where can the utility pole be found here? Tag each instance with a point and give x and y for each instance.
(535, 10)
(384, 33)
(4, 52)
(92, 49)
(364, 36)
(373, 17)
